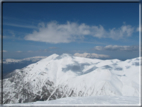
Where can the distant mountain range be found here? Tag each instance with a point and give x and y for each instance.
(33, 59)
(59, 76)
(10, 65)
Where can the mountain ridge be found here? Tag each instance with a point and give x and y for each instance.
(64, 75)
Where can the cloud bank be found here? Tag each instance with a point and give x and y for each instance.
(69, 32)
(91, 55)
(117, 48)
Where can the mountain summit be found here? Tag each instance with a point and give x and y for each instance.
(65, 75)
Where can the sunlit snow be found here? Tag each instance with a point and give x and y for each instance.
(84, 80)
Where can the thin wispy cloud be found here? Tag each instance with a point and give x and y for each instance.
(22, 26)
(4, 51)
(71, 32)
(117, 48)
(52, 47)
(18, 51)
(12, 33)
(123, 31)
(91, 55)
(42, 50)
(30, 51)
(18, 20)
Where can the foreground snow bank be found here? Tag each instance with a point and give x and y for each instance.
(92, 100)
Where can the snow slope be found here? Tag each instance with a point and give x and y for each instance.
(86, 101)
(103, 100)
(61, 76)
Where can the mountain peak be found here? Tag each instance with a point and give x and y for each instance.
(54, 54)
(65, 55)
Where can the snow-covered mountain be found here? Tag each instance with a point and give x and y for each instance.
(59, 76)
(10, 65)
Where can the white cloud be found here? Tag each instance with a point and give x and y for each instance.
(91, 55)
(55, 33)
(117, 48)
(98, 48)
(70, 32)
(125, 30)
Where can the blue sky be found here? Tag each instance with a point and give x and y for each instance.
(108, 30)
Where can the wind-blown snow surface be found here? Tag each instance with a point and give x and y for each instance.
(92, 100)
(67, 76)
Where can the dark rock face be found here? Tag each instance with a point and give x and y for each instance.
(24, 94)
(16, 90)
